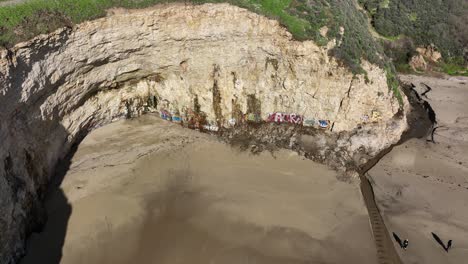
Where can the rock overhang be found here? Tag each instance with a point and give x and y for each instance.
(221, 59)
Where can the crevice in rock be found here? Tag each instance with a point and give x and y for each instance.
(428, 89)
(17, 184)
(254, 106)
(236, 114)
(341, 102)
(234, 79)
(426, 107)
(217, 97)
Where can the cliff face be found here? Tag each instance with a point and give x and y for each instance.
(218, 60)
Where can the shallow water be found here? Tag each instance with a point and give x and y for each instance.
(148, 191)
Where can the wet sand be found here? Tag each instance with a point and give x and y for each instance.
(148, 191)
(422, 187)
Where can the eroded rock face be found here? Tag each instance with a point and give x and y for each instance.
(218, 58)
(425, 55)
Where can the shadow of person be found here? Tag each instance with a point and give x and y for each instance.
(47, 245)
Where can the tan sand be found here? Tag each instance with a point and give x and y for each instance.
(148, 191)
(422, 187)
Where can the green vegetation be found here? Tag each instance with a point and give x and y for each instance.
(394, 84)
(423, 22)
(303, 18)
(454, 69)
(22, 21)
(355, 42)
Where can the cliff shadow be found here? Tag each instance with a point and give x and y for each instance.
(46, 246)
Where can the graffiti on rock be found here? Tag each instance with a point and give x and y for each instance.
(171, 116)
(176, 119)
(251, 117)
(365, 118)
(285, 118)
(211, 127)
(194, 119)
(275, 117)
(166, 115)
(232, 122)
(324, 123)
(309, 122)
(295, 119)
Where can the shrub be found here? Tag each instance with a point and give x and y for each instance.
(442, 23)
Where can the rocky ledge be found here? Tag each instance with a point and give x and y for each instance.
(208, 66)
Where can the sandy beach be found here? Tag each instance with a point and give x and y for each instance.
(149, 191)
(422, 187)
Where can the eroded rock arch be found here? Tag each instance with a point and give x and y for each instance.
(57, 87)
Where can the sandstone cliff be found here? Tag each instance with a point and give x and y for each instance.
(218, 58)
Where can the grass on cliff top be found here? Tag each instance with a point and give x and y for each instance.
(303, 18)
(23, 21)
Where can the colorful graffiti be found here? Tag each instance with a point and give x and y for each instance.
(275, 117)
(295, 119)
(198, 120)
(365, 118)
(324, 123)
(211, 127)
(166, 115)
(176, 119)
(285, 118)
(173, 116)
(192, 119)
(252, 117)
(232, 122)
(309, 122)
